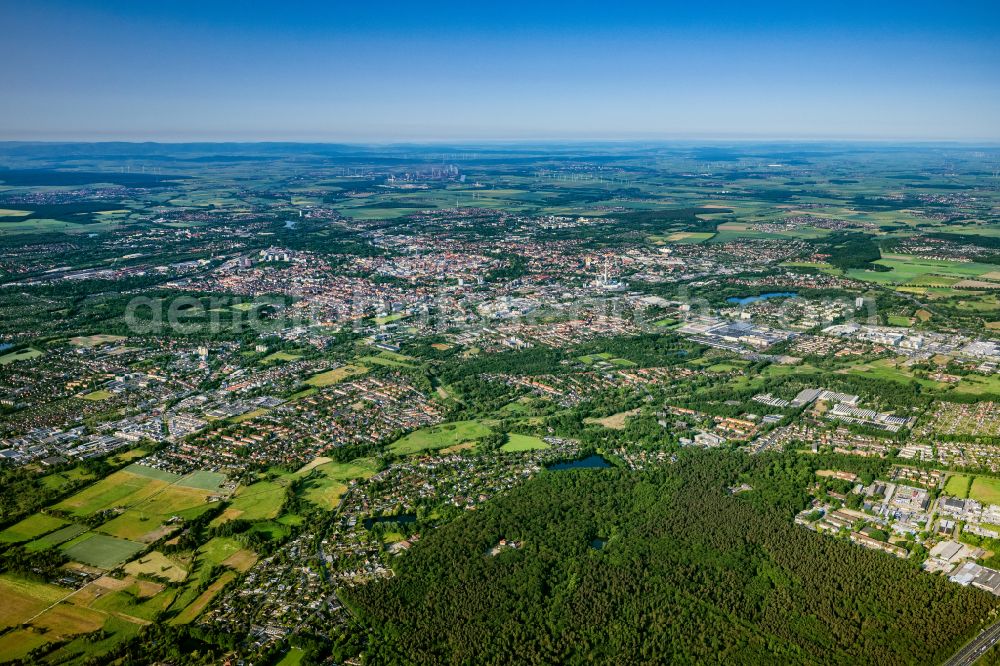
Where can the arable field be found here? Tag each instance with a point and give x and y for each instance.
(101, 551)
(157, 564)
(123, 488)
(94, 340)
(24, 598)
(62, 535)
(914, 270)
(439, 437)
(30, 528)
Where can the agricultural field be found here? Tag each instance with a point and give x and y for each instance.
(101, 551)
(123, 488)
(23, 599)
(95, 340)
(158, 565)
(915, 271)
(30, 528)
(439, 437)
(60, 536)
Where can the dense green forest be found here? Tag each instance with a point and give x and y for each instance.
(688, 573)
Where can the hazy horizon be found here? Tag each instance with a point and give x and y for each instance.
(392, 73)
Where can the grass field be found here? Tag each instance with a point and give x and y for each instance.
(59, 480)
(69, 620)
(152, 473)
(516, 442)
(30, 528)
(147, 520)
(439, 437)
(978, 384)
(279, 356)
(985, 490)
(21, 355)
(292, 658)
(689, 236)
(17, 644)
(122, 488)
(336, 375)
(62, 535)
(94, 340)
(97, 396)
(101, 551)
(328, 485)
(615, 421)
(957, 486)
(258, 501)
(203, 480)
(194, 609)
(23, 598)
(906, 269)
(591, 359)
(157, 564)
(132, 603)
(887, 369)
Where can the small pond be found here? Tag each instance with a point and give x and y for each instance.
(590, 462)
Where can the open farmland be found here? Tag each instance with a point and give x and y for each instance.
(101, 551)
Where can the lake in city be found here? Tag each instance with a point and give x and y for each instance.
(763, 297)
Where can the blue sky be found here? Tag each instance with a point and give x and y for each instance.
(386, 71)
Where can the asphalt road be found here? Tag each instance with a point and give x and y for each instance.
(975, 648)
